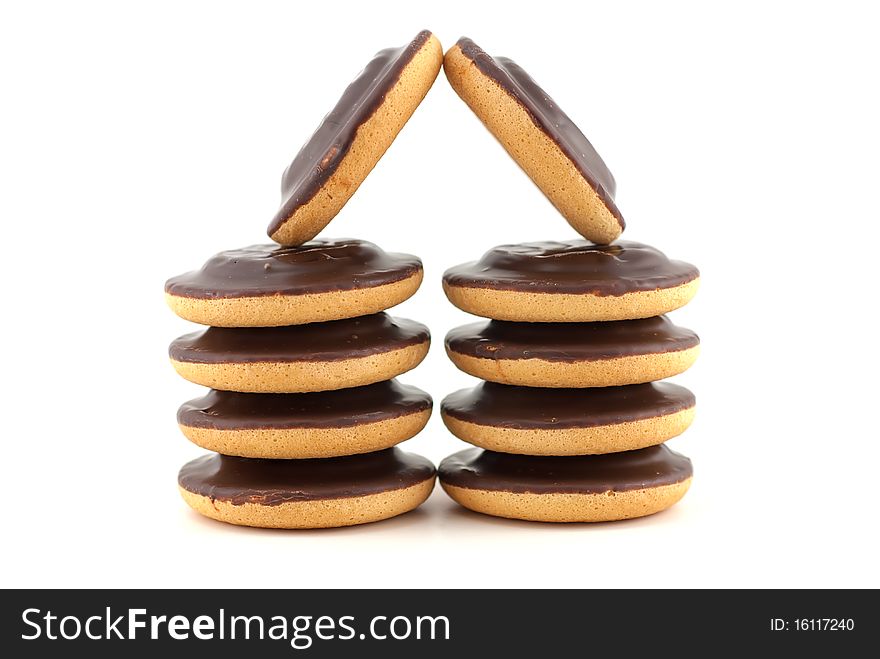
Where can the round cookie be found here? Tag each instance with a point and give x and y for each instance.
(306, 494)
(353, 137)
(317, 357)
(539, 137)
(586, 488)
(268, 285)
(571, 281)
(573, 354)
(542, 421)
(311, 425)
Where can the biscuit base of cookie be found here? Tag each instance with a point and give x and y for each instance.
(370, 143)
(626, 436)
(563, 507)
(280, 310)
(538, 155)
(633, 369)
(314, 514)
(302, 377)
(292, 443)
(563, 307)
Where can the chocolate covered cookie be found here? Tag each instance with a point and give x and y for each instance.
(306, 494)
(589, 488)
(599, 354)
(547, 421)
(539, 136)
(353, 137)
(301, 358)
(310, 425)
(268, 285)
(571, 281)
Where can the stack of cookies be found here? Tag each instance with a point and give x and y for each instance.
(304, 413)
(571, 420)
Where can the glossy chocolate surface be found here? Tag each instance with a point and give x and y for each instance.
(273, 482)
(569, 342)
(576, 267)
(229, 410)
(480, 469)
(549, 118)
(334, 340)
(319, 266)
(320, 157)
(534, 408)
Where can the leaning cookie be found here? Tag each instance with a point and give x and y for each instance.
(546, 421)
(353, 137)
(301, 358)
(539, 136)
(573, 354)
(589, 488)
(307, 494)
(571, 281)
(311, 425)
(268, 285)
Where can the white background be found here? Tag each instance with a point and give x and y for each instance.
(136, 141)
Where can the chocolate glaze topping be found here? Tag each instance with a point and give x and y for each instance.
(228, 410)
(579, 474)
(320, 156)
(569, 342)
(318, 266)
(273, 482)
(530, 408)
(574, 267)
(549, 118)
(316, 342)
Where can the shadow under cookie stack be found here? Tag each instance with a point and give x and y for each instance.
(304, 414)
(571, 420)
